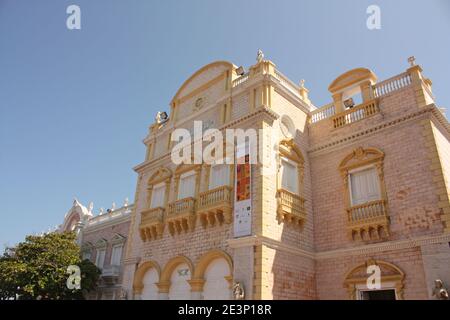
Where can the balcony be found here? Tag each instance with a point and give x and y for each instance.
(291, 208)
(368, 221)
(110, 274)
(355, 114)
(152, 223)
(215, 206)
(181, 216)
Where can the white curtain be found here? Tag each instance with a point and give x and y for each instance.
(289, 176)
(158, 195)
(116, 255)
(186, 188)
(219, 176)
(365, 186)
(100, 259)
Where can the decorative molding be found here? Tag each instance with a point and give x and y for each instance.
(140, 272)
(262, 110)
(389, 273)
(338, 253)
(371, 130)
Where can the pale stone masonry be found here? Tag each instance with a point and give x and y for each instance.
(369, 185)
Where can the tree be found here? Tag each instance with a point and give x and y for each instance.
(37, 268)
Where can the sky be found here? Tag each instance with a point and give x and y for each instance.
(75, 105)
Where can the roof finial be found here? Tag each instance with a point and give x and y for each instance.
(302, 83)
(259, 56)
(412, 61)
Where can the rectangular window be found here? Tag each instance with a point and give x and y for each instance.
(186, 188)
(100, 259)
(289, 176)
(158, 193)
(116, 255)
(219, 176)
(364, 186)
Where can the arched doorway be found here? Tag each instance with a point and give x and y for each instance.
(145, 279)
(150, 290)
(217, 287)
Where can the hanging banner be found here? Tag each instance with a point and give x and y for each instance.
(242, 193)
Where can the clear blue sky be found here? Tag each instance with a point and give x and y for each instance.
(75, 105)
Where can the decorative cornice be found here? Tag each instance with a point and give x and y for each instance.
(350, 137)
(110, 222)
(360, 250)
(262, 110)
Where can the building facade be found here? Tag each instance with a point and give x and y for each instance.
(102, 238)
(363, 182)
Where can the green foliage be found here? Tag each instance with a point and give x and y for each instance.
(36, 268)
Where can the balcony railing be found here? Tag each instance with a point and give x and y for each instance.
(110, 274)
(322, 113)
(181, 215)
(153, 215)
(215, 206)
(291, 207)
(181, 207)
(111, 271)
(152, 223)
(392, 84)
(240, 80)
(355, 114)
(369, 220)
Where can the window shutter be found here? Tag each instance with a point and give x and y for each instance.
(158, 196)
(365, 186)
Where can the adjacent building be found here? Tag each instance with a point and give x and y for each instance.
(102, 239)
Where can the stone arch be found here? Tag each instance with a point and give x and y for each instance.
(138, 284)
(207, 258)
(389, 273)
(172, 264)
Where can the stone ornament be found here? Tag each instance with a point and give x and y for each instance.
(259, 56)
(238, 291)
(439, 291)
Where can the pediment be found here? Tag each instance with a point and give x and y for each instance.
(351, 78)
(203, 76)
(360, 157)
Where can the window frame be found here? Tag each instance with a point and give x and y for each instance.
(185, 175)
(297, 173)
(162, 185)
(360, 169)
(97, 258)
(115, 246)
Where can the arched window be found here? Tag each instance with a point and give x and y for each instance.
(365, 194)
